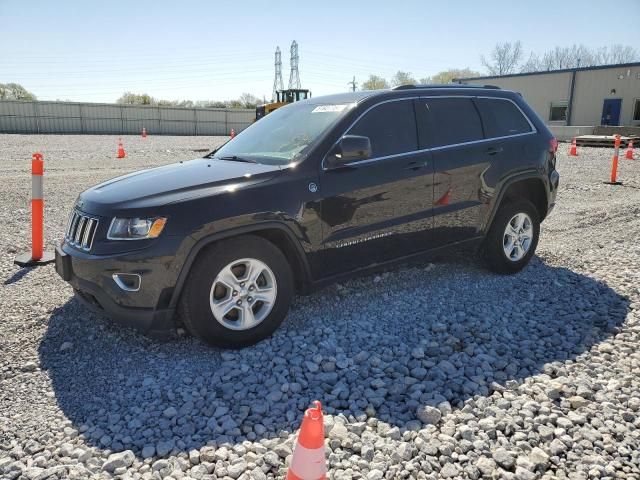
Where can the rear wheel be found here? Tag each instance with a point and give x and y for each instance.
(238, 292)
(513, 236)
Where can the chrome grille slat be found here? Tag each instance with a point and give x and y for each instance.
(87, 229)
(78, 235)
(81, 230)
(74, 224)
(72, 216)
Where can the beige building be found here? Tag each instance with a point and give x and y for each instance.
(603, 95)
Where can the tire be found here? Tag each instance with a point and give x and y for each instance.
(511, 211)
(217, 273)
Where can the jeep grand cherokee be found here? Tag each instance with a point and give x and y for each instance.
(316, 191)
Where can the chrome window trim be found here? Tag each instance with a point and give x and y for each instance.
(533, 131)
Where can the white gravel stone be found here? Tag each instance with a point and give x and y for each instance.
(119, 460)
(539, 457)
(375, 474)
(428, 414)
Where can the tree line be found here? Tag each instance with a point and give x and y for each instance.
(509, 57)
(246, 100)
(376, 82)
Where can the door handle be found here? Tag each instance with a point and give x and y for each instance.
(415, 165)
(494, 150)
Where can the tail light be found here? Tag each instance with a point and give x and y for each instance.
(553, 145)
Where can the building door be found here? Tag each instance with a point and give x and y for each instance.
(611, 111)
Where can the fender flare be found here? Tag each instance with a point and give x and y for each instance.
(233, 232)
(505, 186)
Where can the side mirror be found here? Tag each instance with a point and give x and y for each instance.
(351, 148)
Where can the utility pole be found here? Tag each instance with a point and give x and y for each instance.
(353, 84)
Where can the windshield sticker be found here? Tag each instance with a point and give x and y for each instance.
(329, 108)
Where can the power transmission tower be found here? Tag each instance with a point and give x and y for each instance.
(353, 84)
(277, 81)
(294, 78)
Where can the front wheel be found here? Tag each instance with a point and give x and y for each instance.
(238, 292)
(513, 236)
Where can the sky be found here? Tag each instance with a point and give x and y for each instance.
(216, 50)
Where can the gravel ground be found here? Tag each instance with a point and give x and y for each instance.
(438, 370)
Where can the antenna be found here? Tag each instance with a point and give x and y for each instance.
(277, 81)
(353, 84)
(294, 78)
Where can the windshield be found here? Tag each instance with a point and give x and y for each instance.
(282, 136)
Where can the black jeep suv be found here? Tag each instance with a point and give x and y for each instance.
(315, 191)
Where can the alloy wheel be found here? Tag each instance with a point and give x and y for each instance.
(518, 236)
(243, 294)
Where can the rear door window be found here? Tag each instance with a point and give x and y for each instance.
(390, 126)
(447, 121)
(501, 118)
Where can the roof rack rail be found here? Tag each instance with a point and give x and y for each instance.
(444, 85)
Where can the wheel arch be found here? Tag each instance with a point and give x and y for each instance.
(531, 186)
(278, 234)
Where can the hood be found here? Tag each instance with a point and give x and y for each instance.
(172, 183)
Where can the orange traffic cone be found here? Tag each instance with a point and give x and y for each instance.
(444, 199)
(233, 133)
(121, 152)
(629, 153)
(308, 462)
(573, 150)
(144, 132)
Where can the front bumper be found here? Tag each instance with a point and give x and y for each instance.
(91, 277)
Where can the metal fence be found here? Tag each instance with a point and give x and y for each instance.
(104, 118)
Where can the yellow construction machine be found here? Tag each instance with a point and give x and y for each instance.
(282, 98)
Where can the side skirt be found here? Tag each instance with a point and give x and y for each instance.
(407, 259)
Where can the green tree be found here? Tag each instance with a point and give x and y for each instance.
(129, 98)
(234, 104)
(249, 101)
(402, 78)
(210, 104)
(15, 91)
(374, 82)
(448, 76)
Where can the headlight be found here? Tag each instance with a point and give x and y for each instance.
(136, 228)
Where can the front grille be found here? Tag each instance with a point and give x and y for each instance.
(81, 230)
